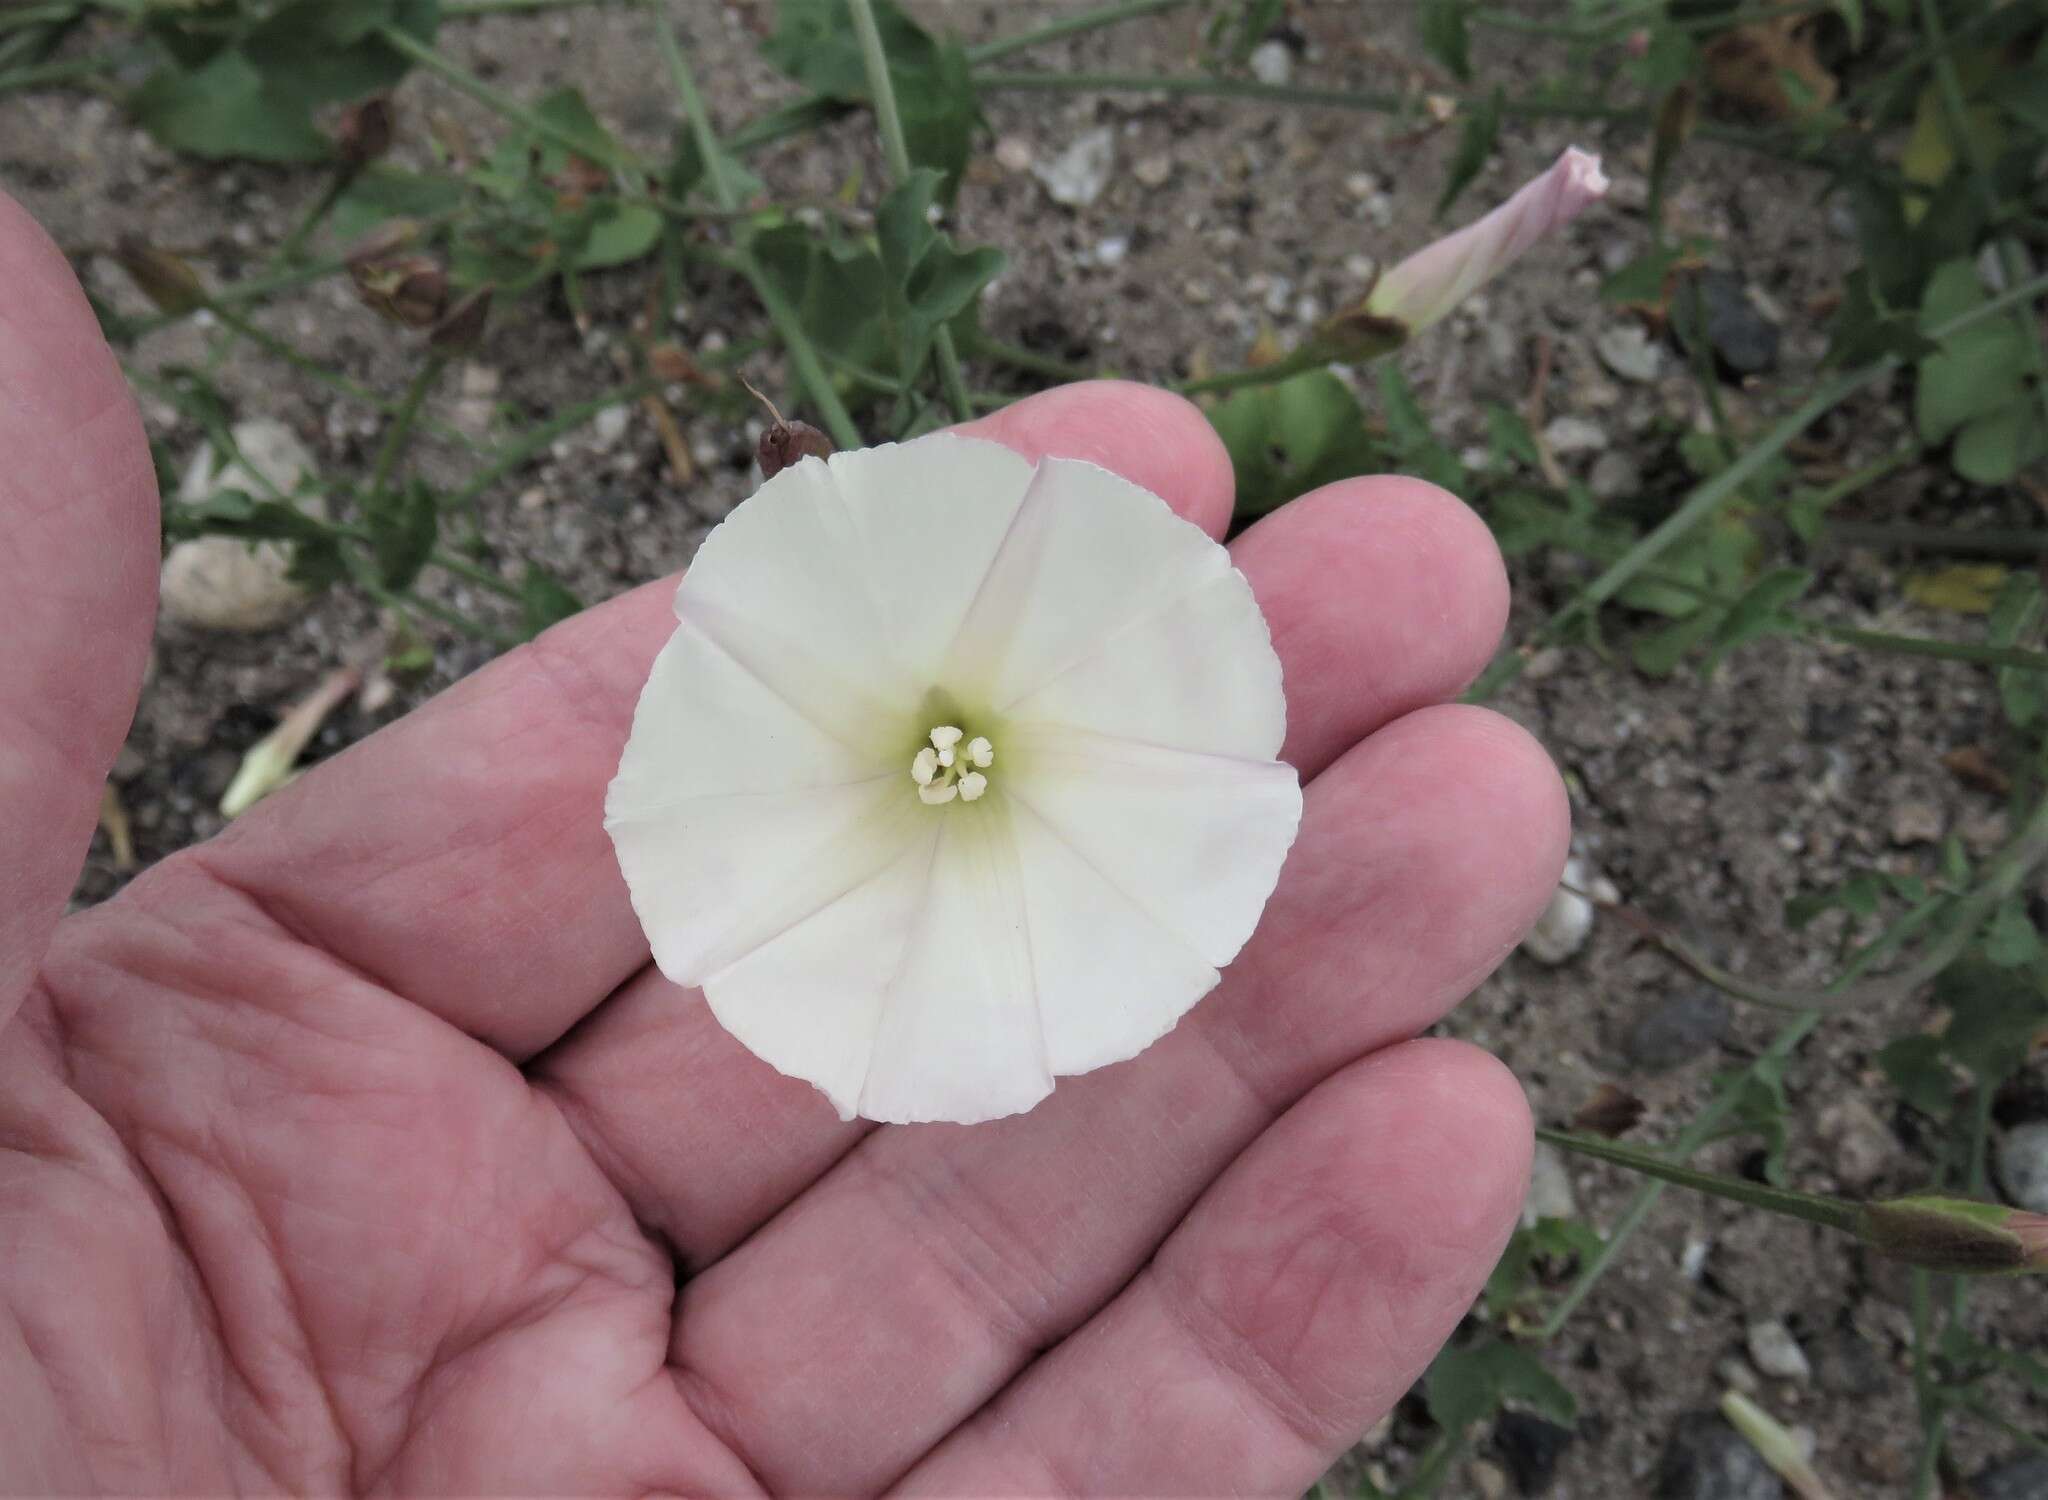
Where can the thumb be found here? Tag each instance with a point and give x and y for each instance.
(78, 564)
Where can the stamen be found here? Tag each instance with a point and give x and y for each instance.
(940, 768)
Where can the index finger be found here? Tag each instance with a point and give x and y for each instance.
(459, 856)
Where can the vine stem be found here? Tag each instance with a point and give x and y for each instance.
(1074, 25)
(896, 151)
(400, 434)
(803, 355)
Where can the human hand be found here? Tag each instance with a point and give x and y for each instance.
(362, 1147)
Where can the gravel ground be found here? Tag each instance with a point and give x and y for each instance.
(1707, 803)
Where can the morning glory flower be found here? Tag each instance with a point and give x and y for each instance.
(1436, 278)
(957, 776)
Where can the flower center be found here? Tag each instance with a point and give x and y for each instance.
(951, 766)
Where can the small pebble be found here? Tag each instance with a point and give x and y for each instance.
(1615, 476)
(1550, 1188)
(1706, 1459)
(1568, 435)
(1626, 350)
(1153, 171)
(1077, 176)
(2023, 1166)
(1272, 63)
(1776, 1353)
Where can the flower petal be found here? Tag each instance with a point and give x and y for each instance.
(1194, 840)
(1199, 673)
(1112, 979)
(809, 1003)
(1088, 554)
(714, 878)
(706, 725)
(960, 1037)
(777, 584)
(926, 520)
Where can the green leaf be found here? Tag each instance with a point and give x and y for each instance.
(1442, 26)
(1476, 140)
(1508, 439)
(1414, 447)
(929, 281)
(404, 522)
(619, 234)
(226, 109)
(323, 51)
(1760, 611)
(1292, 436)
(814, 43)
(380, 192)
(1915, 1064)
(1977, 371)
(1994, 1014)
(1992, 448)
(1659, 651)
(1465, 1385)
(2011, 941)
(543, 601)
(569, 113)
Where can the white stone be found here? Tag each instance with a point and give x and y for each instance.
(609, 426)
(1775, 1352)
(1111, 251)
(1566, 435)
(1272, 63)
(1550, 1188)
(2023, 1165)
(1627, 351)
(1565, 924)
(222, 582)
(1077, 176)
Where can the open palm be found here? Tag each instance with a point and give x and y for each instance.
(362, 1148)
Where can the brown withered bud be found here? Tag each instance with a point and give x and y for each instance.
(1611, 1112)
(365, 131)
(785, 442)
(670, 362)
(164, 278)
(408, 289)
(463, 326)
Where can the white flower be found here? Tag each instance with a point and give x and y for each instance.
(956, 776)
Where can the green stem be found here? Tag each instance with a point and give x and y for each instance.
(462, 567)
(1716, 492)
(1310, 356)
(406, 602)
(1703, 1129)
(1915, 645)
(896, 151)
(1814, 1208)
(529, 445)
(500, 103)
(1958, 541)
(337, 184)
(803, 356)
(685, 84)
(1074, 25)
(400, 432)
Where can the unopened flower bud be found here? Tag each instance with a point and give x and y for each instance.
(268, 765)
(365, 131)
(1429, 283)
(463, 326)
(1957, 1234)
(164, 278)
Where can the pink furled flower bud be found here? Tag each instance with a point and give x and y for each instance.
(1436, 278)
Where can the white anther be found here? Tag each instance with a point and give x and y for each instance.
(924, 766)
(980, 752)
(945, 737)
(972, 785)
(947, 757)
(934, 795)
